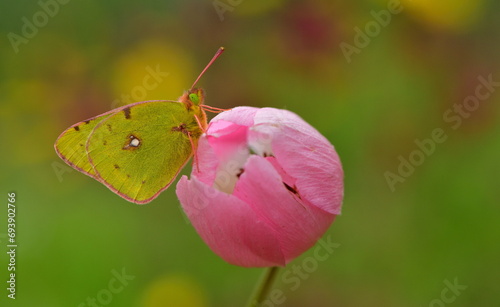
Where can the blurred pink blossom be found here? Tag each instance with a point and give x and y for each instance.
(267, 186)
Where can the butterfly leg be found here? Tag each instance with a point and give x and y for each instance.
(195, 152)
(203, 129)
(213, 109)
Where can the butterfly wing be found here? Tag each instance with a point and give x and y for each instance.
(138, 151)
(70, 145)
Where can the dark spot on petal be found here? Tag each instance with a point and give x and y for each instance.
(289, 188)
(109, 127)
(144, 181)
(81, 144)
(104, 143)
(128, 176)
(77, 128)
(116, 166)
(87, 121)
(127, 113)
(241, 171)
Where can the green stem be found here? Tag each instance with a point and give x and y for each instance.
(263, 286)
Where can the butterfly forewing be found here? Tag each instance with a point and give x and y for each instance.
(70, 145)
(138, 151)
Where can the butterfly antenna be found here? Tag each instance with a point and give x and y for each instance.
(217, 54)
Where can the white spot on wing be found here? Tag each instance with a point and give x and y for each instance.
(134, 142)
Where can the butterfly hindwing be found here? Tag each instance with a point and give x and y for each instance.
(138, 151)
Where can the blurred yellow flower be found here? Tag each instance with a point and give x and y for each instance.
(174, 290)
(452, 15)
(447, 14)
(152, 70)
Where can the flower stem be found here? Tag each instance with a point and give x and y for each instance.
(263, 286)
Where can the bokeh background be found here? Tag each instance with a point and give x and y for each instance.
(398, 247)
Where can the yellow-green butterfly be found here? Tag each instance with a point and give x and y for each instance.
(137, 150)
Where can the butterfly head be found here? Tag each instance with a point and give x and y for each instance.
(193, 97)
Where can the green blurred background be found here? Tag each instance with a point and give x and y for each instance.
(398, 247)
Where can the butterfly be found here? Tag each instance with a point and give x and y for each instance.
(137, 150)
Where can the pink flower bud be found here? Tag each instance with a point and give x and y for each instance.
(267, 186)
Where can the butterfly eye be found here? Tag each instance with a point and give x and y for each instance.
(194, 98)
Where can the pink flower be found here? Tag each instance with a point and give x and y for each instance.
(267, 186)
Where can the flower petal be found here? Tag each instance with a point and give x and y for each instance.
(206, 162)
(231, 150)
(243, 116)
(223, 146)
(229, 226)
(314, 163)
(296, 225)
